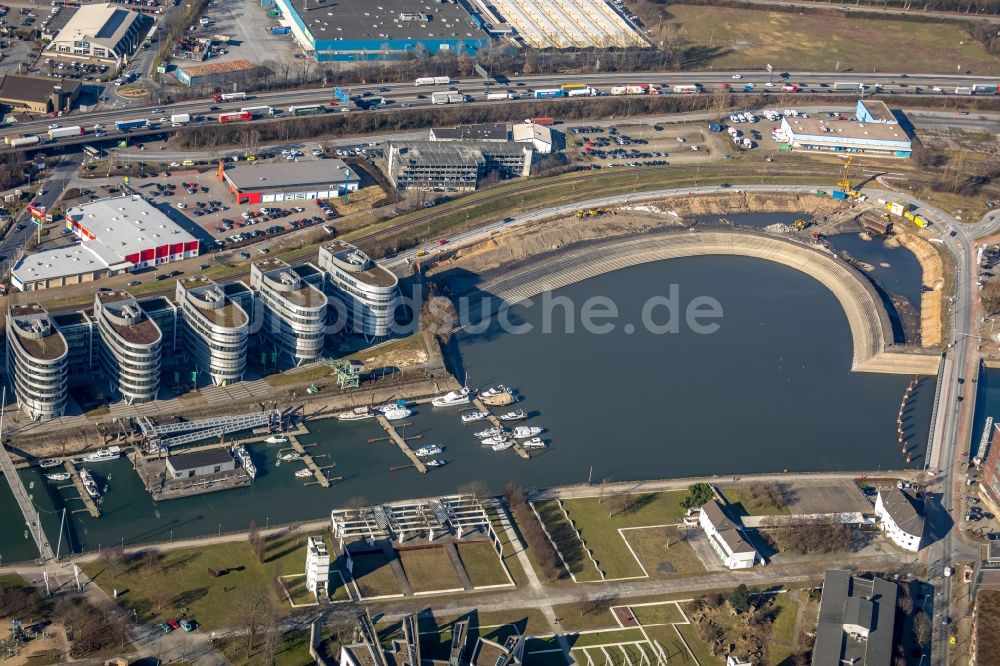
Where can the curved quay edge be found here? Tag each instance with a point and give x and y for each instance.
(871, 330)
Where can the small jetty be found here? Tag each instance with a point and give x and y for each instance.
(496, 423)
(90, 506)
(318, 472)
(401, 443)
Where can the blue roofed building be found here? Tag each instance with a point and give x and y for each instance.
(874, 130)
(386, 30)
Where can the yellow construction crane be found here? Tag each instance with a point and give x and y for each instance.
(845, 180)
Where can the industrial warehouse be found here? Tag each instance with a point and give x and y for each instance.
(101, 32)
(287, 312)
(874, 131)
(291, 181)
(116, 236)
(37, 94)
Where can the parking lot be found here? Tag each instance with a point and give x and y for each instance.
(637, 145)
(246, 24)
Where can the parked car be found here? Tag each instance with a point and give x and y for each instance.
(133, 283)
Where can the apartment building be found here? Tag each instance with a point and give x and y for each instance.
(36, 361)
(367, 292)
(130, 346)
(293, 316)
(215, 329)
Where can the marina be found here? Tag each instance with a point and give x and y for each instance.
(88, 491)
(398, 440)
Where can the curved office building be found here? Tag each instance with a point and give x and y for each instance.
(36, 361)
(294, 313)
(130, 346)
(216, 329)
(369, 292)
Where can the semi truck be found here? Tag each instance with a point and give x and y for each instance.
(548, 122)
(63, 132)
(180, 118)
(689, 88)
(499, 95)
(548, 93)
(567, 87)
(126, 125)
(986, 89)
(631, 89)
(235, 116)
(229, 97)
(22, 141)
(447, 98)
(964, 90)
(432, 81)
(258, 111)
(847, 85)
(583, 92)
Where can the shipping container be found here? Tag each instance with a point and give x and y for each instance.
(126, 125)
(281, 30)
(230, 97)
(22, 141)
(235, 116)
(181, 118)
(546, 93)
(908, 215)
(63, 132)
(838, 194)
(540, 121)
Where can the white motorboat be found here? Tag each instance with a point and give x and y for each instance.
(355, 414)
(303, 473)
(490, 441)
(492, 391)
(505, 397)
(277, 439)
(293, 455)
(48, 462)
(472, 416)
(503, 445)
(452, 398)
(437, 462)
(399, 404)
(397, 413)
(429, 450)
(243, 457)
(58, 476)
(489, 432)
(89, 484)
(534, 443)
(102, 455)
(516, 415)
(524, 432)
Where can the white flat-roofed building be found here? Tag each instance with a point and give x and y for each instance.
(294, 314)
(884, 139)
(215, 329)
(540, 137)
(317, 567)
(899, 519)
(291, 181)
(108, 33)
(369, 292)
(116, 236)
(36, 361)
(726, 537)
(129, 353)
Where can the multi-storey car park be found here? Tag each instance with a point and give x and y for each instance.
(294, 315)
(36, 361)
(369, 293)
(216, 329)
(130, 346)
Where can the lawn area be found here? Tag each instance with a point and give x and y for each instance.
(161, 585)
(510, 549)
(586, 616)
(731, 38)
(664, 552)
(293, 650)
(605, 637)
(599, 529)
(482, 564)
(754, 501)
(567, 542)
(786, 607)
(667, 613)
(296, 587)
(671, 644)
(429, 569)
(374, 576)
(698, 647)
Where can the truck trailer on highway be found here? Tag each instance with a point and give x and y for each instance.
(848, 85)
(432, 81)
(22, 141)
(126, 125)
(180, 118)
(229, 97)
(447, 98)
(235, 116)
(688, 88)
(548, 93)
(63, 132)
(499, 95)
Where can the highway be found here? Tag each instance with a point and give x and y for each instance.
(410, 94)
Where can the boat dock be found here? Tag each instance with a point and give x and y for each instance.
(497, 423)
(318, 472)
(90, 506)
(401, 443)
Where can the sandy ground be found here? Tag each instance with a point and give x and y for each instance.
(933, 277)
(56, 645)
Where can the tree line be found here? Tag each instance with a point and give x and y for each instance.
(532, 531)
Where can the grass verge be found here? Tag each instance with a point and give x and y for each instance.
(482, 564)
(429, 570)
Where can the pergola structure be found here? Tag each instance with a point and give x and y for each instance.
(455, 515)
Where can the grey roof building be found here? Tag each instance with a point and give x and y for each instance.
(856, 621)
(38, 94)
(455, 165)
(899, 518)
(481, 132)
(103, 32)
(200, 463)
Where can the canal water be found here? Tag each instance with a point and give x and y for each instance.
(771, 390)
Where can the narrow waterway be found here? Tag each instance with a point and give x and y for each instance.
(770, 390)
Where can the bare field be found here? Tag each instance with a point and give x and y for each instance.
(727, 38)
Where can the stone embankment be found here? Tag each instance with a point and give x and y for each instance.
(871, 331)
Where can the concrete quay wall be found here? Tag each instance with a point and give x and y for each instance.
(871, 330)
